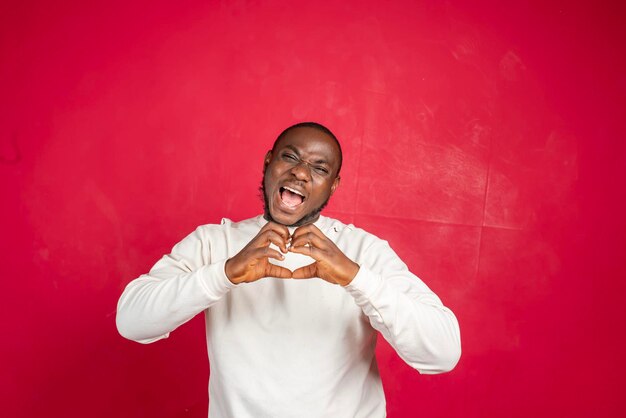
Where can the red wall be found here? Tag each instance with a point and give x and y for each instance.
(485, 141)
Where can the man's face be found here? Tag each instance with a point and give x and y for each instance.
(300, 176)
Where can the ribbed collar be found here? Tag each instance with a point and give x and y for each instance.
(322, 223)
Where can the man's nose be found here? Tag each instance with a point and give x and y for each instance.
(301, 171)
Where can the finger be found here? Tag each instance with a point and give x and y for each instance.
(263, 239)
(277, 271)
(309, 239)
(309, 250)
(274, 238)
(306, 272)
(308, 229)
(278, 228)
(267, 252)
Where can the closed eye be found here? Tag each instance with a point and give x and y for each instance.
(290, 157)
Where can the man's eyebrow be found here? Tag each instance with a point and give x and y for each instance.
(294, 149)
(319, 161)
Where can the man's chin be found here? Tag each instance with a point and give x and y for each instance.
(290, 222)
(293, 221)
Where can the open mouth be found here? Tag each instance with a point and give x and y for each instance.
(291, 197)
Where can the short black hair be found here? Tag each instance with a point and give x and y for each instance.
(320, 128)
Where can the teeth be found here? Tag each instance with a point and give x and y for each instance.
(293, 191)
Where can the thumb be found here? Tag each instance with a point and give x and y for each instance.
(306, 272)
(277, 271)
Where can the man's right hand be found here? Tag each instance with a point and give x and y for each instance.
(251, 263)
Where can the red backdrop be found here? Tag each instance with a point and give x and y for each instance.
(485, 141)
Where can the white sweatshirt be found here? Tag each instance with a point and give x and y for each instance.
(293, 348)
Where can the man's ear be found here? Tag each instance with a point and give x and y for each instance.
(268, 158)
(335, 184)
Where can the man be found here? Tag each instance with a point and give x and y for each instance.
(282, 342)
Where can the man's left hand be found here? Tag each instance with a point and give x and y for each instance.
(331, 264)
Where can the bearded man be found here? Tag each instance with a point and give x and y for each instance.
(293, 300)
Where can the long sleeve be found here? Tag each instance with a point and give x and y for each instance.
(178, 287)
(424, 333)
(276, 346)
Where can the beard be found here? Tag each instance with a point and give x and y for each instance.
(306, 219)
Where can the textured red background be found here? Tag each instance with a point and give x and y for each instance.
(485, 141)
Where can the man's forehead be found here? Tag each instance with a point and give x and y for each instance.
(309, 140)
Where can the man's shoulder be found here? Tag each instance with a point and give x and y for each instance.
(227, 224)
(226, 230)
(336, 226)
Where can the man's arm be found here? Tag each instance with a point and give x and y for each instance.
(178, 287)
(188, 281)
(424, 333)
